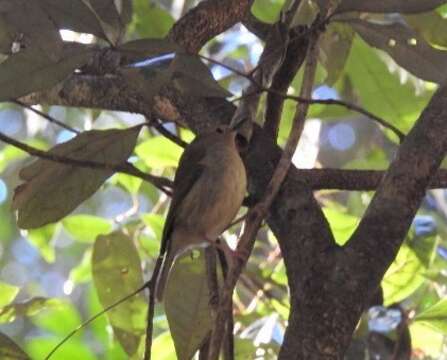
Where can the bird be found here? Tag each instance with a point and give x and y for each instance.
(209, 188)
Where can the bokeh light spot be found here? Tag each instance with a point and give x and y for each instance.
(342, 137)
(3, 191)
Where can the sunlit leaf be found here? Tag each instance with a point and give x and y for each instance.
(9, 350)
(151, 20)
(60, 319)
(40, 347)
(52, 190)
(117, 272)
(267, 10)
(342, 224)
(30, 307)
(404, 276)
(81, 273)
(130, 183)
(85, 228)
(42, 239)
(435, 316)
(427, 339)
(159, 152)
(164, 347)
(187, 302)
(7, 293)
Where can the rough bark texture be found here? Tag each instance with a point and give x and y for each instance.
(329, 285)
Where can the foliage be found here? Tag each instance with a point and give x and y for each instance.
(92, 235)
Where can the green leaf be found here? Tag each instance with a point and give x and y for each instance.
(164, 347)
(187, 302)
(9, 350)
(335, 44)
(435, 316)
(381, 92)
(28, 308)
(81, 273)
(39, 348)
(430, 341)
(155, 223)
(404, 276)
(342, 224)
(387, 6)
(52, 190)
(267, 10)
(116, 269)
(131, 183)
(431, 26)
(85, 228)
(60, 319)
(7, 293)
(194, 78)
(159, 152)
(73, 15)
(406, 47)
(42, 239)
(28, 70)
(8, 154)
(151, 20)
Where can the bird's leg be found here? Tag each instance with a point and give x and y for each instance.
(229, 253)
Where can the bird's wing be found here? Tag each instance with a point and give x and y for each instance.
(188, 172)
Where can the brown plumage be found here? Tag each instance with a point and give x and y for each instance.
(209, 187)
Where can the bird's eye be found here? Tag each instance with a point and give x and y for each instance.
(220, 130)
(241, 142)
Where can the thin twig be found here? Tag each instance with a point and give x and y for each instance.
(151, 309)
(161, 183)
(45, 116)
(169, 135)
(308, 100)
(94, 317)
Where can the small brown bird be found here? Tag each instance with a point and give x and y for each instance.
(209, 188)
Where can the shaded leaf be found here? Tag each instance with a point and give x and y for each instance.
(35, 30)
(116, 270)
(194, 78)
(407, 48)
(30, 307)
(336, 44)
(7, 293)
(109, 17)
(431, 26)
(9, 350)
(187, 302)
(73, 15)
(435, 316)
(159, 152)
(38, 200)
(85, 228)
(387, 6)
(28, 71)
(381, 92)
(125, 9)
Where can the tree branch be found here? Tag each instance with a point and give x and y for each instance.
(160, 183)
